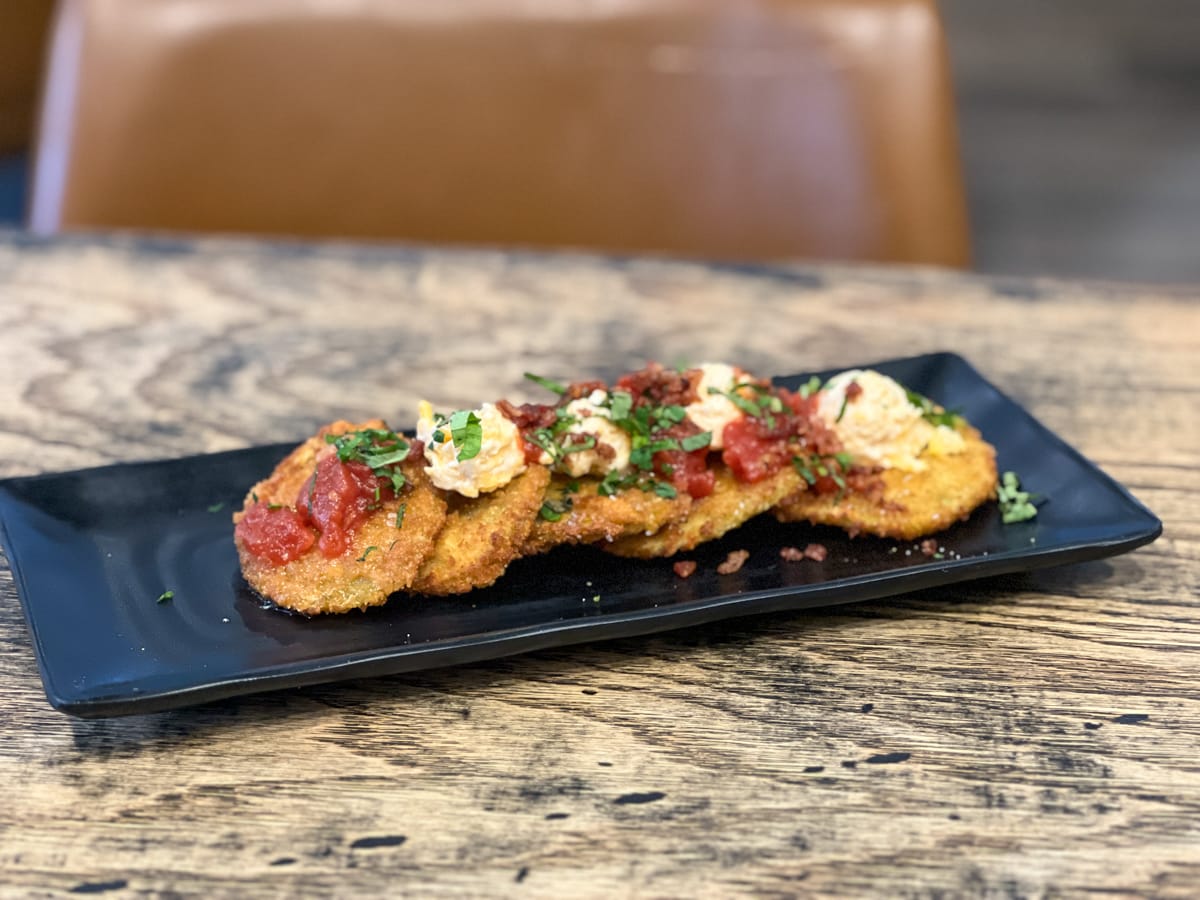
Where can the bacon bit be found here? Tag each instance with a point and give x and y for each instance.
(853, 390)
(867, 483)
(661, 387)
(733, 562)
(528, 416)
(791, 554)
(816, 552)
(578, 389)
(929, 546)
(684, 568)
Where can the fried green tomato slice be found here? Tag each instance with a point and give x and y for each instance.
(380, 558)
(585, 516)
(731, 504)
(910, 504)
(482, 536)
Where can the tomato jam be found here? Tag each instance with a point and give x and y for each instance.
(275, 533)
(756, 447)
(337, 497)
(686, 470)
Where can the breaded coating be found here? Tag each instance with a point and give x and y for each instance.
(380, 559)
(482, 536)
(912, 504)
(593, 517)
(729, 505)
(351, 516)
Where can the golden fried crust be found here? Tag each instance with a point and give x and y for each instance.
(729, 505)
(912, 504)
(380, 559)
(594, 517)
(482, 536)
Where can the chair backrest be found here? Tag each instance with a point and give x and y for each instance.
(740, 129)
(24, 25)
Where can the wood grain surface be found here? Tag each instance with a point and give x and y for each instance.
(1025, 736)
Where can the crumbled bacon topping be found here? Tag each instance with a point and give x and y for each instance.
(660, 386)
(685, 568)
(528, 416)
(816, 552)
(733, 562)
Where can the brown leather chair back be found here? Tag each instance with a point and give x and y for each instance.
(744, 129)
(24, 25)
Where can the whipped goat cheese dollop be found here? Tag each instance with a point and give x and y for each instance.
(500, 458)
(714, 410)
(878, 424)
(592, 424)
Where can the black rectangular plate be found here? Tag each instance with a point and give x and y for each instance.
(92, 551)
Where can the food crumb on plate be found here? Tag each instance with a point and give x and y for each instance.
(733, 562)
(685, 568)
(815, 552)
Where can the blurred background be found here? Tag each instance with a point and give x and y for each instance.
(1079, 124)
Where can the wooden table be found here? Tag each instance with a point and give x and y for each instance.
(1029, 736)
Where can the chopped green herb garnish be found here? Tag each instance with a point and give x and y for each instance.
(620, 404)
(165, 597)
(845, 460)
(802, 467)
(810, 387)
(553, 510)
(377, 448)
(366, 553)
(642, 453)
(664, 489)
(696, 441)
(216, 507)
(930, 411)
(588, 442)
(544, 438)
(666, 416)
(842, 408)
(467, 432)
(547, 383)
(615, 481)
(745, 404)
(400, 511)
(813, 467)
(563, 420)
(1016, 505)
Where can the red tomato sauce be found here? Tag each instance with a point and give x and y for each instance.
(688, 472)
(757, 448)
(329, 507)
(754, 450)
(276, 534)
(529, 417)
(337, 498)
